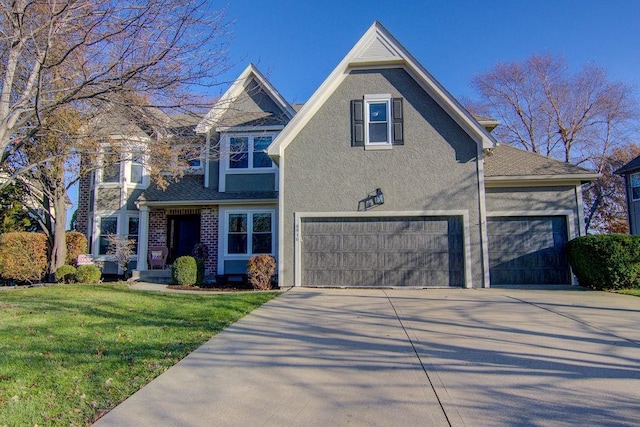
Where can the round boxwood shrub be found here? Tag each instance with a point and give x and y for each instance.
(184, 271)
(606, 261)
(66, 274)
(88, 274)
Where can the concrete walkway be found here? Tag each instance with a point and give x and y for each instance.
(330, 357)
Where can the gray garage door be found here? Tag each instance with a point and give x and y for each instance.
(382, 252)
(528, 250)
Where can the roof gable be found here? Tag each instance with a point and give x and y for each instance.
(378, 48)
(253, 82)
(632, 166)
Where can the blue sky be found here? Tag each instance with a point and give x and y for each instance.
(297, 43)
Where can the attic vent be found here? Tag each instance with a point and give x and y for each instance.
(184, 211)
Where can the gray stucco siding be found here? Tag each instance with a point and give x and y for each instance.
(250, 182)
(533, 199)
(435, 169)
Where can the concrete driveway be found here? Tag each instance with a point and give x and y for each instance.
(331, 357)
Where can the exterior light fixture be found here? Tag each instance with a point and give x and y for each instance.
(371, 201)
(378, 198)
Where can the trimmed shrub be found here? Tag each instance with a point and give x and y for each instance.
(200, 270)
(66, 274)
(606, 261)
(88, 274)
(24, 256)
(76, 245)
(260, 270)
(184, 271)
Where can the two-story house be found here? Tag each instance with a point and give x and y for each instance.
(381, 179)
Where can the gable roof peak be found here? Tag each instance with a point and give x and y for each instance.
(250, 73)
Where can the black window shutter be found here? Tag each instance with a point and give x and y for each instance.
(398, 137)
(357, 123)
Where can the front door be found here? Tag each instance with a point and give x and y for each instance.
(183, 232)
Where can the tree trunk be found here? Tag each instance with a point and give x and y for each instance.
(59, 246)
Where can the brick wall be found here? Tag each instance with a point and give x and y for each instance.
(209, 236)
(84, 193)
(157, 227)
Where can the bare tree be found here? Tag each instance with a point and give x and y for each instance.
(122, 249)
(97, 53)
(580, 118)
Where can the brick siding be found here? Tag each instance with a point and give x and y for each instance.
(209, 236)
(84, 193)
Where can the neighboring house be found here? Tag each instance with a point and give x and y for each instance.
(381, 179)
(631, 174)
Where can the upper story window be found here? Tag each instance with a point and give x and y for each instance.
(377, 115)
(377, 122)
(249, 152)
(635, 186)
(111, 166)
(190, 156)
(136, 167)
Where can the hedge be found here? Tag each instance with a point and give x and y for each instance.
(606, 261)
(76, 245)
(24, 256)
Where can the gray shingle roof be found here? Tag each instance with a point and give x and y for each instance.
(508, 161)
(630, 167)
(191, 188)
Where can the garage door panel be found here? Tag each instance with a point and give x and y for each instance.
(390, 251)
(528, 250)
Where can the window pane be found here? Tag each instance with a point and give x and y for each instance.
(261, 243)
(111, 173)
(635, 193)
(108, 226)
(261, 222)
(635, 180)
(238, 223)
(237, 244)
(133, 226)
(378, 132)
(239, 153)
(261, 143)
(378, 112)
(261, 160)
(136, 174)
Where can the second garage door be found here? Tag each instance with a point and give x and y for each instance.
(528, 250)
(382, 252)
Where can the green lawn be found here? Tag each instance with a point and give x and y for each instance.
(70, 352)
(634, 292)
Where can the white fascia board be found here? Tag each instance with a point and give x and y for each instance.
(397, 56)
(249, 128)
(525, 180)
(199, 203)
(236, 88)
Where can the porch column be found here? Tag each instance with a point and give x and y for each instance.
(143, 238)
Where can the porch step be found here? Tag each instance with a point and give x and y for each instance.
(152, 276)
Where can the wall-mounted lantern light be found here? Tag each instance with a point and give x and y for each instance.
(371, 201)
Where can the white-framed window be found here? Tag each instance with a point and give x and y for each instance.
(248, 152)
(249, 233)
(107, 225)
(377, 115)
(635, 186)
(110, 166)
(136, 166)
(132, 231)
(189, 156)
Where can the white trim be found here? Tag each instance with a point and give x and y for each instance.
(143, 238)
(207, 159)
(398, 57)
(528, 180)
(224, 168)
(265, 128)
(378, 99)
(484, 234)
(201, 203)
(280, 175)
(569, 217)
(580, 205)
(300, 216)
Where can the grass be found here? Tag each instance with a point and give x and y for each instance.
(69, 353)
(634, 292)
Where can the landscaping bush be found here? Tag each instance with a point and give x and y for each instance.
(88, 274)
(607, 261)
(24, 256)
(184, 271)
(260, 270)
(200, 270)
(76, 245)
(66, 274)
